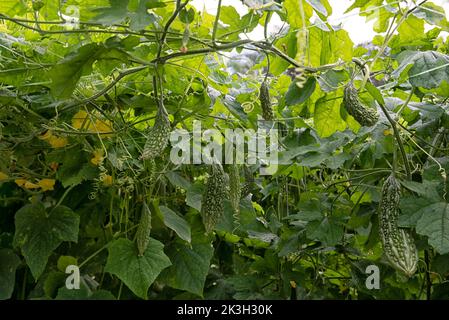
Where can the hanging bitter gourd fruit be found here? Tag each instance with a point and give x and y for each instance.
(398, 244)
(235, 190)
(144, 229)
(365, 116)
(265, 102)
(158, 136)
(247, 187)
(212, 207)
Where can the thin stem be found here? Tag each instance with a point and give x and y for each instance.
(64, 196)
(399, 141)
(406, 101)
(217, 17)
(428, 279)
(106, 89)
(178, 9)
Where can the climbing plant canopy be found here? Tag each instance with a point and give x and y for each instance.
(91, 92)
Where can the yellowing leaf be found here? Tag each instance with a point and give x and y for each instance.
(98, 157)
(3, 176)
(47, 184)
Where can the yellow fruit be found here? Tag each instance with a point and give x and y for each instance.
(3, 176)
(46, 184)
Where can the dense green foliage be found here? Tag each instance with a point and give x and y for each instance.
(86, 180)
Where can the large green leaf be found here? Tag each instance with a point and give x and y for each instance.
(175, 222)
(83, 293)
(426, 69)
(137, 272)
(68, 71)
(296, 95)
(13, 7)
(294, 14)
(434, 223)
(327, 231)
(115, 13)
(411, 29)
(327, 117)
(39, 232)
(8, 265)
(190, 265)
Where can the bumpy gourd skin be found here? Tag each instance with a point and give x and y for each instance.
(365, 116)
(247, 186)
(235, 187)
(265, 102)
(212, 207)
(158, 136)
(143, 230)
(398, 244)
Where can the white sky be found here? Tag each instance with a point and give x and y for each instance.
(359, 29)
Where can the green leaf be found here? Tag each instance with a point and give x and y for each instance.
(38, 233)
(138, 273)
(318, 6)
(187, 16)
(431, 13)
(294, 14)
(426, 69)
(74, 167)
(375, 93)
(194, 196)
(190, 265)
(296, 95)
(327, 117)
(83, 293)
(434, 223)
(140, 18)
(114, 14)
(66, 73)
(411, 210)
(13, 7)
(173, 221)
(332, 79)
(8, 265)
(411, 29)
(326, 231)
(177, 180)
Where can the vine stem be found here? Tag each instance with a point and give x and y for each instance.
(217, 17)
(428, 280)
(179, 7)
(398, 140)
(391, 31)
(105, 89)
